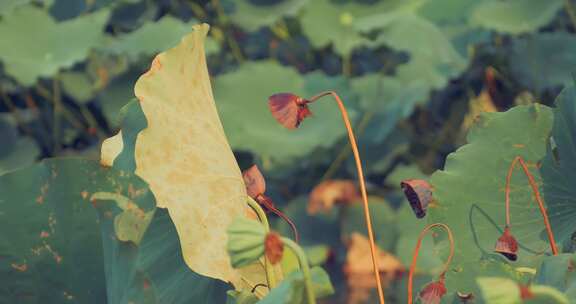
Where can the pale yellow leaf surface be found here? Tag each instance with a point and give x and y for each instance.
(185, 157)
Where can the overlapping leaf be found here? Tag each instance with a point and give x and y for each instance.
(251, 16)
(149, 39)
(515, 16)
(63, 249)
(469, 192)
(33, 45)
(242, 101)
(543, 60)
(184, 155)
(558, 168)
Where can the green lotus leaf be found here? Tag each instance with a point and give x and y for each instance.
(292, 289)
(556, 271)
(383, 222)
(16, 151)
(326, 23)
(499, 290)
(7, 6)
(558, 168)
(318, 229)
(448, 11)
(385, 101)
(543, 60)
(62, 249)
(409, 227)
(241, 297)
(150, 39)
(505, 291)
(78, 85)
(242, 101)
(49, 46)
(469, 192)
(515, 16)
(252, 16)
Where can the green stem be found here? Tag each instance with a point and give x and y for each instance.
(303, 261)
(270, 275)
(259, 212)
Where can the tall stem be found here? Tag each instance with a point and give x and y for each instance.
(417, 250)
(270, 276)
(303, 261)
(534, 186)
(354, 147)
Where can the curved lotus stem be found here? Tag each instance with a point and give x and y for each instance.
(362, 185)
(417, 250)
(534, 186)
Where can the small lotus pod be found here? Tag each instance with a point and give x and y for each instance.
(245, 241)
(419, 194)
(433, 292)
(273, 247)
(288, 109)
(254, 180)
(507, 245)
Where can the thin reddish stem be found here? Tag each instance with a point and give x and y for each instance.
(417, 251)
(354, 147)
(267, 202)
(534, 186)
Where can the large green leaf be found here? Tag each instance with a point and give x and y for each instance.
(515, 16)
(251, 16)
(292, 289)
(7, 6)
(150, 39)
(387, 100)
(16, 151)
(383, 222)
(242, 98)
(53, 253)
(497, 290)
(543, 60)
(558, 168)
(469, 192)
(557, 271)
(33, 45)
(54, 237)
(326, 23)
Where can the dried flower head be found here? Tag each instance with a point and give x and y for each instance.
(288, 109)
(255, 187)
(433, 292)
(273, 247)
(507, 245)
(255, 183)
(419, 194)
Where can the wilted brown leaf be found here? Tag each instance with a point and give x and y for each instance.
(185, 157)
(481, 104)
(358, 268)
(330, 192)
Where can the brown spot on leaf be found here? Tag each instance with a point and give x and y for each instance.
(84, 194)
(519, 146)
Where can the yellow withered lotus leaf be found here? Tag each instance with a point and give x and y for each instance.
(185, 157)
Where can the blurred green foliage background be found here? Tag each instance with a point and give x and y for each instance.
(413, 74)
